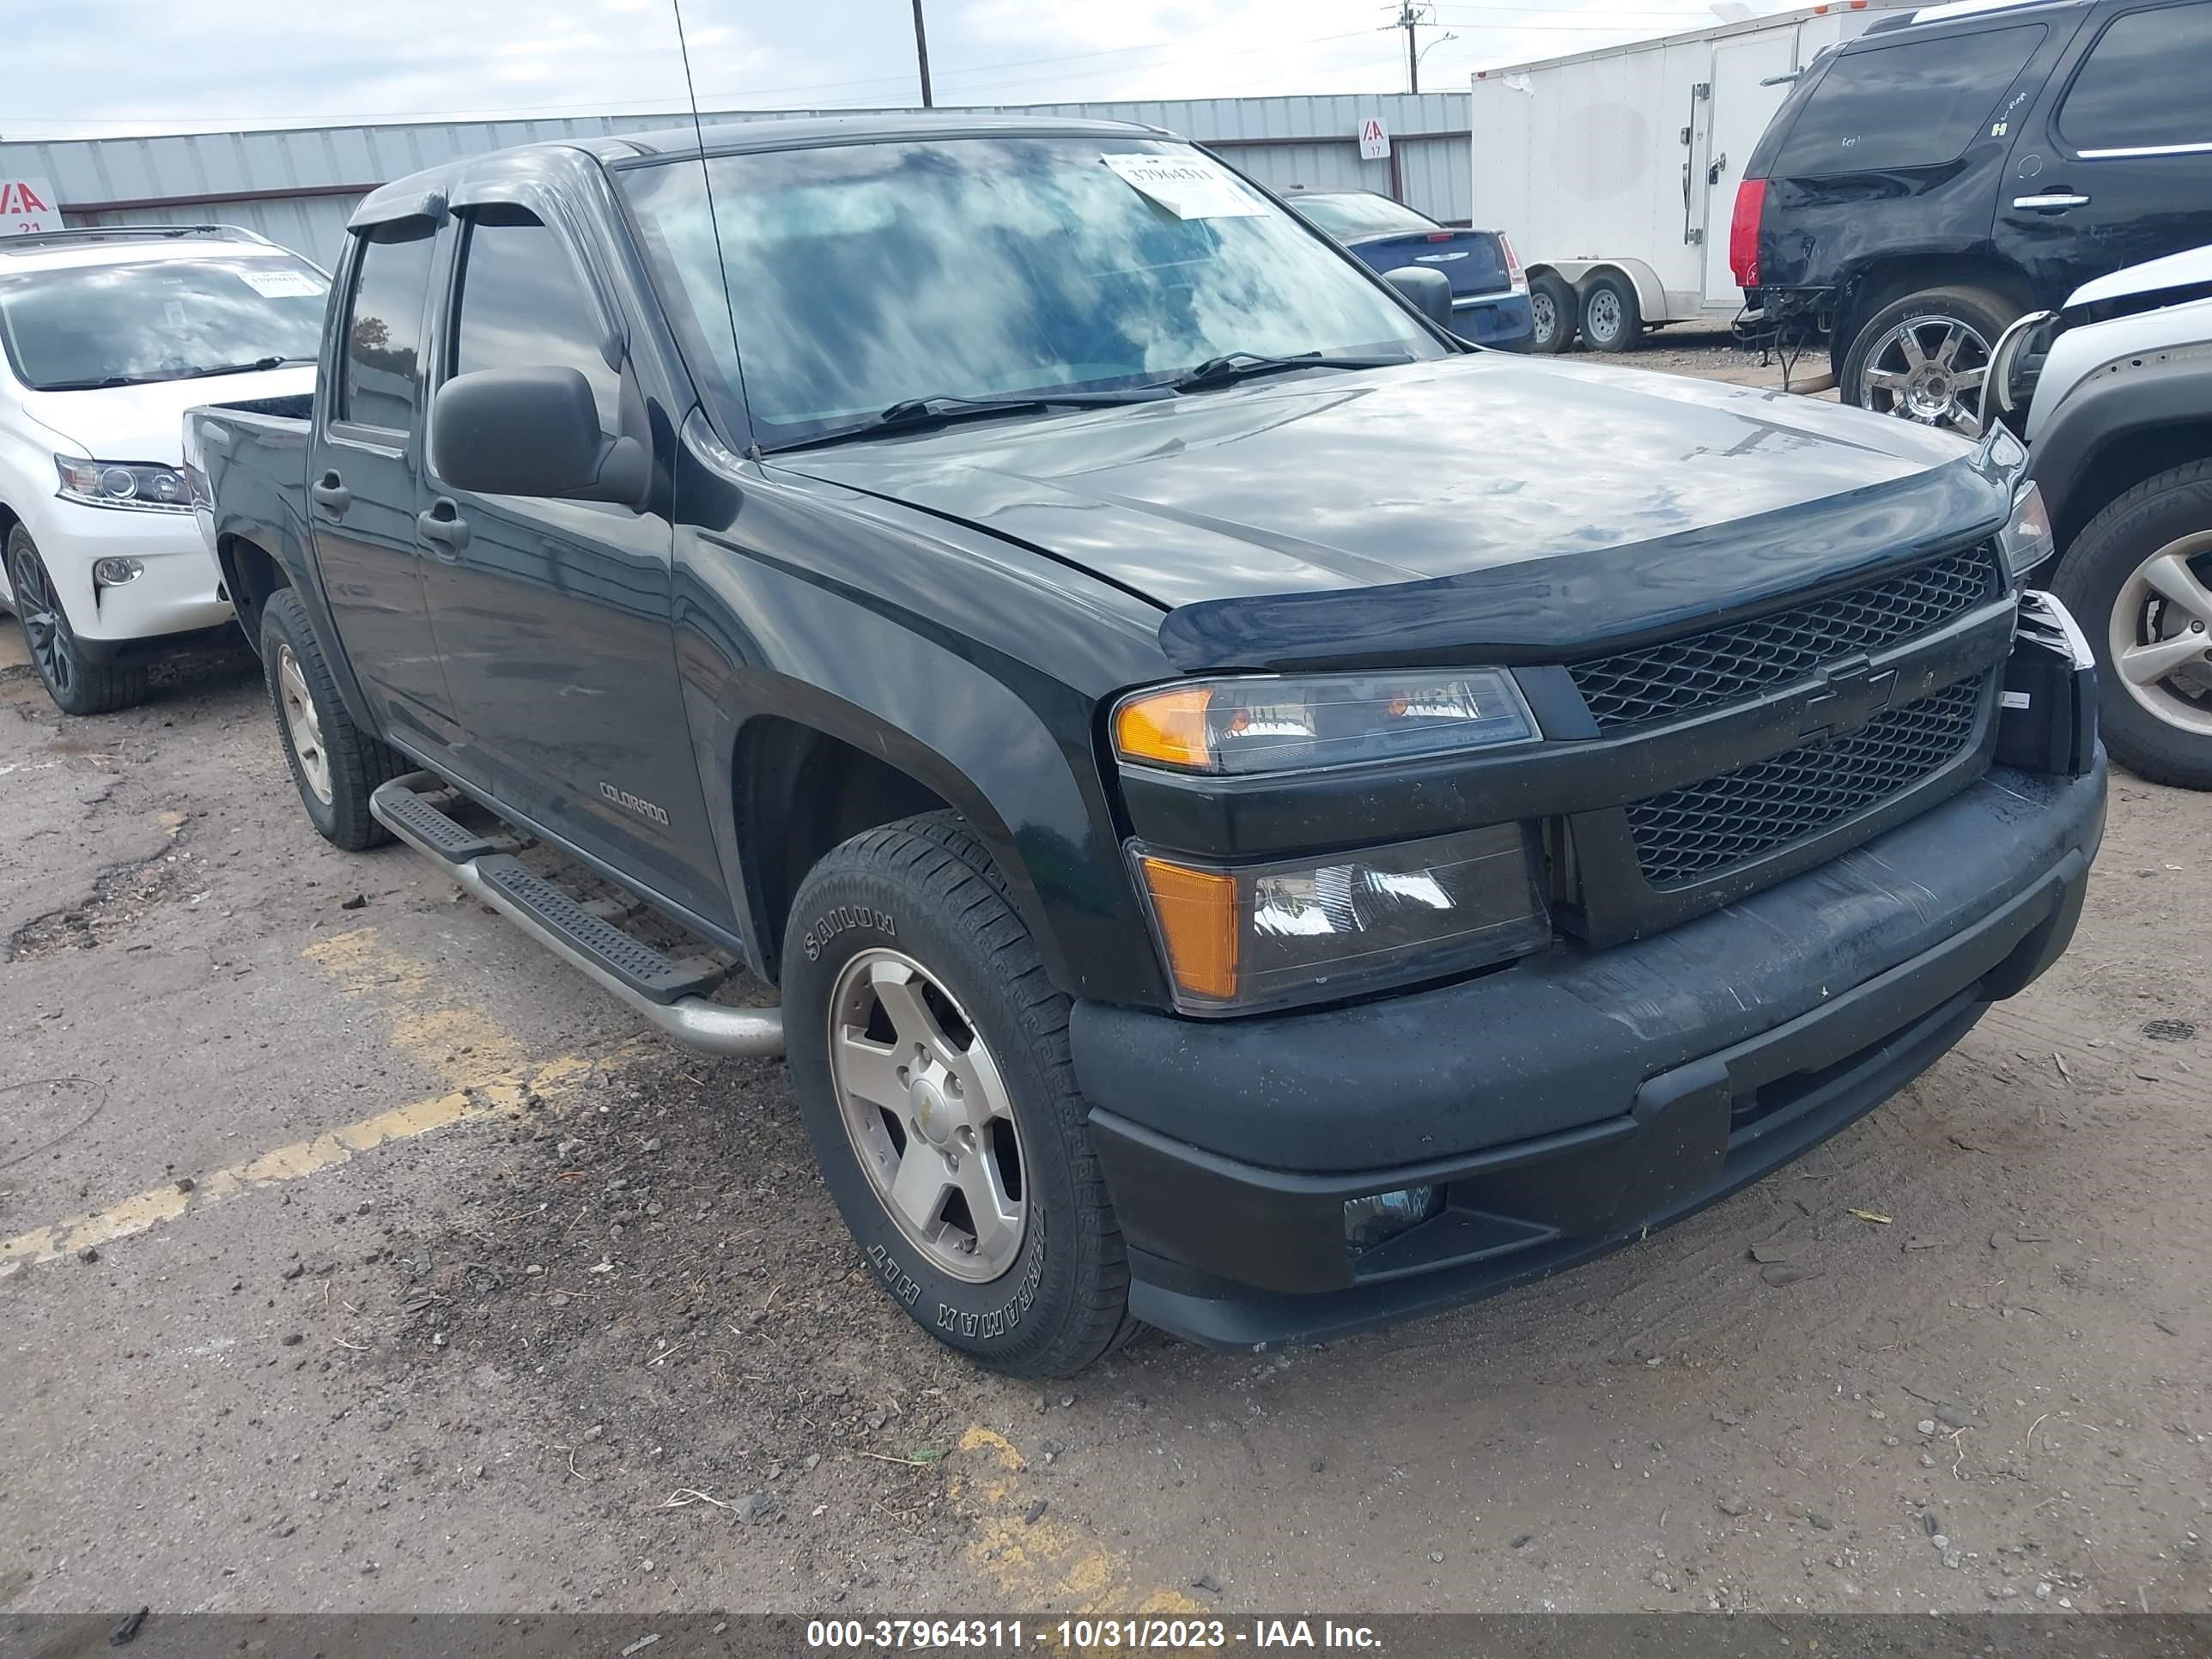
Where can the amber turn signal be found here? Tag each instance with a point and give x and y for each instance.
(1197, 915)
(1167, 727)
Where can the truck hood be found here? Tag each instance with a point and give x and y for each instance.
(1516, 502)
(147, 423)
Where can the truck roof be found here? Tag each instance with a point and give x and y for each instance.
(404, 198)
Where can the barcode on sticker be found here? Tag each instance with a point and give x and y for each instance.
(2016, 700)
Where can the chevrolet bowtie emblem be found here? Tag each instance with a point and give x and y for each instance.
(1849, 697)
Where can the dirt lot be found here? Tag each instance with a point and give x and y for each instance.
(354, 1254)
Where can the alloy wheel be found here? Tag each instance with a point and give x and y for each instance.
(46, 625)
(2160, 635)
(928, 1115)
(303, 725)
(1929, 369)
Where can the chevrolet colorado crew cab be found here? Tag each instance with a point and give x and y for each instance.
(1265, 819)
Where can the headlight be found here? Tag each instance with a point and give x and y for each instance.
(2027, 541)
(1260, 936)
(121, 483)
(1274, 725)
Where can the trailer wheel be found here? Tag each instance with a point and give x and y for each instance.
(1553, 311)
(1612, 320)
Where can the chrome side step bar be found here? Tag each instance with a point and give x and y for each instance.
(664, 992)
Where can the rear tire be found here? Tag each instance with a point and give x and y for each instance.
(1878, 372)
(988, 1092)
(77, 686)
(1612, 320)
(1552, 313)
(2160, 730)
(335, 766)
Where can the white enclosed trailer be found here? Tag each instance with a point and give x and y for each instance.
(1614, 172)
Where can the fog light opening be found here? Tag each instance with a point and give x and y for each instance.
(1381, 1217)
(113, 573)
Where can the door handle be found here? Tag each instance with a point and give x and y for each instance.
(1719, 167)
(332, 495)
(444, 525)
(2055, 201)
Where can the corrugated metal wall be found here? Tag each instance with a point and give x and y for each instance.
(298, 187)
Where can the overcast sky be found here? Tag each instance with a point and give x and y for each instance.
(96, 67)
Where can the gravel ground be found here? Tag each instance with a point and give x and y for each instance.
(416, 1277)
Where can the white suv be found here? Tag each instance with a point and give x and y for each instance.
(105, 337)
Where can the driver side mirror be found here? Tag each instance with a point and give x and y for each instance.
(531, 432)
(1428, 291)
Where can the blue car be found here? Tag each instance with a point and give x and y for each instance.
(1489, 296)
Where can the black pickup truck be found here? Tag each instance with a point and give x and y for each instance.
(1264, 818)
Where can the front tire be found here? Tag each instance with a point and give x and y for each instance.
(929, 1052)
(1553, 311)
(2139, 580)
(1612, 320)
(77, 687)
(335, 764)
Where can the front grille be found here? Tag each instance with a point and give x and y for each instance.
(1688, 834)
(1662, 682)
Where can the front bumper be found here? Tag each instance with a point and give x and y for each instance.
(1569, 1104)
(1494, 319)
(178, 592)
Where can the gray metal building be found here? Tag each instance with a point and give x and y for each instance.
(298, 185)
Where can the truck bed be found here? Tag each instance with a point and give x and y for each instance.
(295, 408)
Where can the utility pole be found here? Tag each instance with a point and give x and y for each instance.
(1411, 15)
(922, 53)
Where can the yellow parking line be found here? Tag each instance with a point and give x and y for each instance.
(499, 1097)
(1050, 1564)
(452, 1044)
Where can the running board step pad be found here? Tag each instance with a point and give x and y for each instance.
(637, 965)
(426, 826)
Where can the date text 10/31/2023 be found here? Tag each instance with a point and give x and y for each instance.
(1083, 1635)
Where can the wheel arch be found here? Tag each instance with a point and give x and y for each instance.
(250, 573)
(2115, 430)
(798, 790)
(1882, 282)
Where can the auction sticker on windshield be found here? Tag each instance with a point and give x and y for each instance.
(282, 284)
(1188, 186)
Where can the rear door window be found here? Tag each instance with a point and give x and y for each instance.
(384, 327)
(1914, 104)
(2143, 85)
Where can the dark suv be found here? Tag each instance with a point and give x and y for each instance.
(1924, 185)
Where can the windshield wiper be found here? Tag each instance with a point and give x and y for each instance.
(257, 364)
(910, 413)
(1243, 365)
(178, 374)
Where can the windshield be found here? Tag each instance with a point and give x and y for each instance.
(76, 326)
(1362, 215)
(861, 276)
